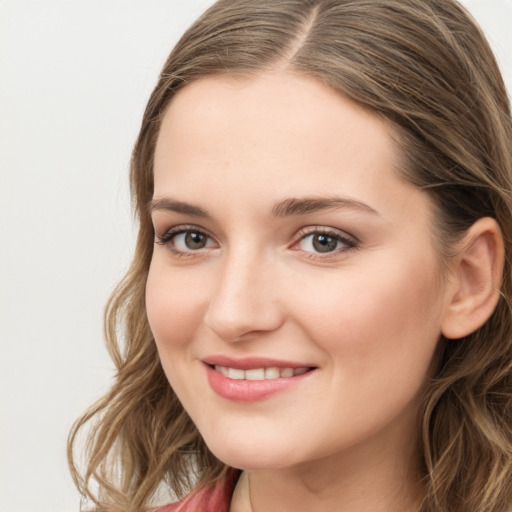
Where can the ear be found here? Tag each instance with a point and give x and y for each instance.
(477, 272)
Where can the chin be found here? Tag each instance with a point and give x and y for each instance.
(250, 454)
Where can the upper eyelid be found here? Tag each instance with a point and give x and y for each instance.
(304, 231)
(179, 229)
(164, 220)
(182, 228)
(310, 230)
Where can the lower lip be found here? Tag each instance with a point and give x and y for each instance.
(242, 390)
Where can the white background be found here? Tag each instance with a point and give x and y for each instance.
(74, 79)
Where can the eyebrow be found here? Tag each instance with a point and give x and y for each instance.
(171, 205)
(302, 206)
(285, 208)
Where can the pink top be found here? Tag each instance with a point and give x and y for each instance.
(206, 499)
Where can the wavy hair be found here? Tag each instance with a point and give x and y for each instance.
(426, 67)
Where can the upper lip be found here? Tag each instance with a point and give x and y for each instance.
(249, 363)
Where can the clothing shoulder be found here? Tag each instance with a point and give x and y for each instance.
(215, 498)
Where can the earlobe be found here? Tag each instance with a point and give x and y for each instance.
(477, 272)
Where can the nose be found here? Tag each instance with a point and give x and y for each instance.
(244, 300)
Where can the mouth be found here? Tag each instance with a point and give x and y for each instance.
(268, 373)
(251, 380)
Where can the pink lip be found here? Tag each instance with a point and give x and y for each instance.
(242, 390)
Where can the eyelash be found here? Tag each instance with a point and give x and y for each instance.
(167, 238)
(349, 243)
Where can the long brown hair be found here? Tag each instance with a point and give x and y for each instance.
(425, 66)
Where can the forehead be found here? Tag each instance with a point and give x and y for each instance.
(277, 100)
(273, 136)
(273, 118)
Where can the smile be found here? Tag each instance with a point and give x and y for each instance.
(271, 373)
(254, 380)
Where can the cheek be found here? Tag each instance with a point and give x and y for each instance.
(174, 307)
(379, 321)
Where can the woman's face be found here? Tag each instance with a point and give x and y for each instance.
(294, 293)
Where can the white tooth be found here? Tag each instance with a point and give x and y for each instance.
(235, 373)
(255, 374)
(272, 373)
(222, 369)
(300, 371)
(286, 372)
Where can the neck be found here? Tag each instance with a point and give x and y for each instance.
(383, 478)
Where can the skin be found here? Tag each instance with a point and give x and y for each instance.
(366, 315)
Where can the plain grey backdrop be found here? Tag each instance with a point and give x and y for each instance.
(74, 79)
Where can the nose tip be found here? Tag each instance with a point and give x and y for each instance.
(232, 325)
(243, 304)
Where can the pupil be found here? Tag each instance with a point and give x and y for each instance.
(324, 243)
(195, 240)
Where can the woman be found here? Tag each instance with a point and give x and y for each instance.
(318, 313)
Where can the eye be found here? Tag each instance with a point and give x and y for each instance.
(324, 242)
(182, 239)
(191, 240)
